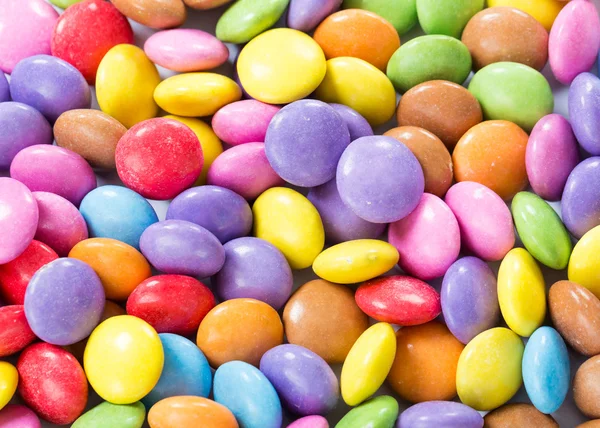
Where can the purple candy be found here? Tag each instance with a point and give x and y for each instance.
(50, 85)
(303, 380)
(221, 211)
(17, 416)
(380, 179)
(4, 88)
(20, 126)
(584, 111)
(182, 247)
(446, 414)
(305, 15)
(580, 203)
(357, 125)
(339, 221)
(304, 142)
(254, 269)
(469, 298)
(64, 301)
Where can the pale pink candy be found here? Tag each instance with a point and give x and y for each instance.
(428, 239)
(243, 121)
(314, 421)
(574, 40)
(17, 416)
(486, 226)
(186, 50)
(26, 28)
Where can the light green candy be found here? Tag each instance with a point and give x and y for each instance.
(379, 412)
(448, 17)
(513, 92)
(63, 4)
(246, 19)
(541, 230)
(402, 14)
(108, 415)
(429, 58)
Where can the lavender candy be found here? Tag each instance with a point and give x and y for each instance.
(447, 414)
(584, 111)
(305, 15)
(4, 88)
(580, 202)
(357, 125)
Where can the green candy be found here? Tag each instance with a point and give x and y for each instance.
(447, 17)
(378, 412)
(429, 58)
(513, 92)
(108, 415)
(246, 19)
(541, 230)
(402, 14)
(63, 4)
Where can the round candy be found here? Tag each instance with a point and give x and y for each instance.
(584, 111)
(584, 265)
(189, 411)
(15, 333)
(153, 13)
(8, 382)
(515, 413)
(115, 415)
(380, 411)
(357, 125)
(306, 15)
(52, 169)
(243, 121)
(123, 359)
(220, 211)
(585, 388)
(313, 421)
(440, 413)
(246, 19)
(448, 18)
(402, 14)
(544, 11)
(18, 416)
(159, 158)
(281, 66)
(385, 194)
(580, 204)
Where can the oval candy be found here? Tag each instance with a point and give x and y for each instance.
(585, 388)
(580, 204)
(313, 421)
(121, 415)
(244, 121)
(584, 265)
(440, 413)
(584, 110)
(515, 413)
(188, 411)
(448, 18)
(153, 13)
(18, 416)
(357, 125)
(544, 11)
(379, 412)
(9, 378)
(15, 333)
(402, 14)
(306, 15)
(246, 19)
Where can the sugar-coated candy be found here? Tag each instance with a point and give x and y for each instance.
(357, 125)
(15, 333)
(63, 4)
(448, 414)
(580, 203)
(153, 13)
(402, 14)
(188, 411)
(18, 416)
(243, 121)
(585, 388)
(4, 88)
(8, 382)
(379, 412)
(312, 421)
(205, 4)
(584, 264)
(515, 414)
(305, 15)
(246, 19)
(115, 415)
(584, 111)
(448, 18)
(544, 11)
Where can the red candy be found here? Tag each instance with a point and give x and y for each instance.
(86, 31)
(15, 275)
(398, 299)
(52, 383)
(171, 303)
(15, 333)
(159, 158)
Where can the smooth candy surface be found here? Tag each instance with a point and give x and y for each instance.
(448, 18)
(18, 416)
(580, 204)
(246, 19)
(585, 387)
(584, 111)
(357, 125)
(402, 14)
(243, 121)
(108, 414)
(15, 333)
(515, 413)
(4, 89)
(205, 4)
(306, 15)
(313, 421)
(189, 411)
(379, 412)
(8, 382)
(440, 413)
(584, 266)
(153, 13)
(544, 11)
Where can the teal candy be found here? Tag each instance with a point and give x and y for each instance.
(378, 412)
(108, 415)
(244, 390)
(402, 14)
(448, 17)
(546, 369)
(246, 19)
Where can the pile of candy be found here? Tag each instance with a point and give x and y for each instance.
(96, 289)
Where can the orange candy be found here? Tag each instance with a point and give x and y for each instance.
(187, 411)
(360, 34)
(493, 153)
(424, 368)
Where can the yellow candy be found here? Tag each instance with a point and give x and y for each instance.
(584, 265)
(9, 378)
(196, 94)
(291, 222)
(358, 84)
(125, 85)
(210, 143)
(368, 363)
(521, 292)
(123, 359)
(355, 261)
(545, 11)
(280, 66)
(489, 369)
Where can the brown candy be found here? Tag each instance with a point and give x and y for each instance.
(575, 313)
(590, 424)
(506, 34)
(444, 108)
(518, 415)
(324, 318)
(153, 13)
(586, 388)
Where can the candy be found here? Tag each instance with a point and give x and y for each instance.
(303, 380)
(469, 298)
(17, 416)
(123, 359)
(254, 269)
(239, 329)
(117, 212)
(379, 412)
(25, 30)
(440, 413)
(427, 58)
(306, 15)
(551, 155)
(580, 204)
(220, 211)
(248, 394)
(108, 414)
(388, 194)
(205, 4)
(246, 19)
(428, 239)
(125, 83)
(402, 14)
(304, 142)
(589, 424)
(515, 413)
(185, 50)
(63, 4)
(544, 11)
(585, 388)
(153, 13)
(188, 411)
(584, 266)
(19, 218)
(243, 121)
(91, 134)
(4, 88)
(360, 86)
(8, 382)
(15, 333)
(513, 92)
(584, 110)
(291, 223)
(357, 125)
(313, 421)
(489, 369)
(22, 126)
(446, 18)
(444, 108)
(270, 62)
(52, 383)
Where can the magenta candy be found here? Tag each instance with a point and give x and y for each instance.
(551, 155)
(357, 125)
(243, 121)
(53, 169)
(313, 421)
(305, 15)
(17, 416)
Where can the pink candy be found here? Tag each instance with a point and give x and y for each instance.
(243, 121)
(17, 416)
(313, 421)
